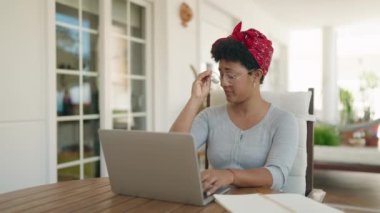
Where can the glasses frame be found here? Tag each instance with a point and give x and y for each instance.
(231, 78)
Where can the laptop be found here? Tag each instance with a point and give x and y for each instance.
(154, 165)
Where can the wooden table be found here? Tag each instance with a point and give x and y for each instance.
(95, 195)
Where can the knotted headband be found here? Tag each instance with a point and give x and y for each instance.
(257, 44)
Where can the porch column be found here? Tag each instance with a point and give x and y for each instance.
(330, 91)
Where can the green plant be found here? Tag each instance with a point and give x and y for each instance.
(368, 82)
(347, 114)
(326, 135)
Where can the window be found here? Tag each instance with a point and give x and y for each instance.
(358, 52)
(77, 73)
(128, 70)
(77, 91)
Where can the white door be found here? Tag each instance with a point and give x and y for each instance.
(88, 68)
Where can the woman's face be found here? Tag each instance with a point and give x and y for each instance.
(236, 81)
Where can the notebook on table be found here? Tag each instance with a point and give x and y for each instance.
(154, 165)
(283, 202)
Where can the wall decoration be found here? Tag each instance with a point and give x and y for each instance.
(185, 13)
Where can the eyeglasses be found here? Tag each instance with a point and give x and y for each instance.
(231, 78)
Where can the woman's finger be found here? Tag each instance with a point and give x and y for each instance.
(214, 187)
(205, 175)
(204, 75)
(206, 186)
(209, 183)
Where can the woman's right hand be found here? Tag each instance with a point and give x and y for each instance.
(201, 85)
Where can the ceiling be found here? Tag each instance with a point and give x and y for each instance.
(317, 13)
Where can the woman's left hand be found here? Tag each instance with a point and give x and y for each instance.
(213, 179)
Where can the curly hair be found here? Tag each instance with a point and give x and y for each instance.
(232, 50)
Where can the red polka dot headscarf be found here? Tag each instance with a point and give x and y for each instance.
(257, 44)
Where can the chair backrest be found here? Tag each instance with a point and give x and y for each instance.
(301, 105)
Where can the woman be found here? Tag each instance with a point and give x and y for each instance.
(250, 141)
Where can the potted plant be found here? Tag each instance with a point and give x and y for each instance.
(326, 135)
(369, 81)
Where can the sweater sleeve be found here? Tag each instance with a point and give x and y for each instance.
(283, 150)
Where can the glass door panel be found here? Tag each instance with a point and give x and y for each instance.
(138, 96)
(67, 48)
(119, 59)
(67, 12)
(139, 123)
(90, 52)
(128, 65)
(69, 173)
(120, 102)
(138, 58)
(90, 14)
(91, 139)
(77, 93)
(137, 21)
(67, 95)
(119, 16)
(90, 95)
(68, 141)
(120, 123)
(92, 170)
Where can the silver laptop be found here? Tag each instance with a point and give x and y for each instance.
(154, 165)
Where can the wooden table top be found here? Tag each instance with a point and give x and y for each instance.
(95, 195)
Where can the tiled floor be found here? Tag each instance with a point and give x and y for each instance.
(352, 191)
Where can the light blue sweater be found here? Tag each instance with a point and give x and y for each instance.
(272, 143)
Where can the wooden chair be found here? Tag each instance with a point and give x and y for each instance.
(303, 110)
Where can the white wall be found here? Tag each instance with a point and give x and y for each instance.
(182, 51)
(23, 80)
(253, 16)
(214, 24)
(175, 49)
